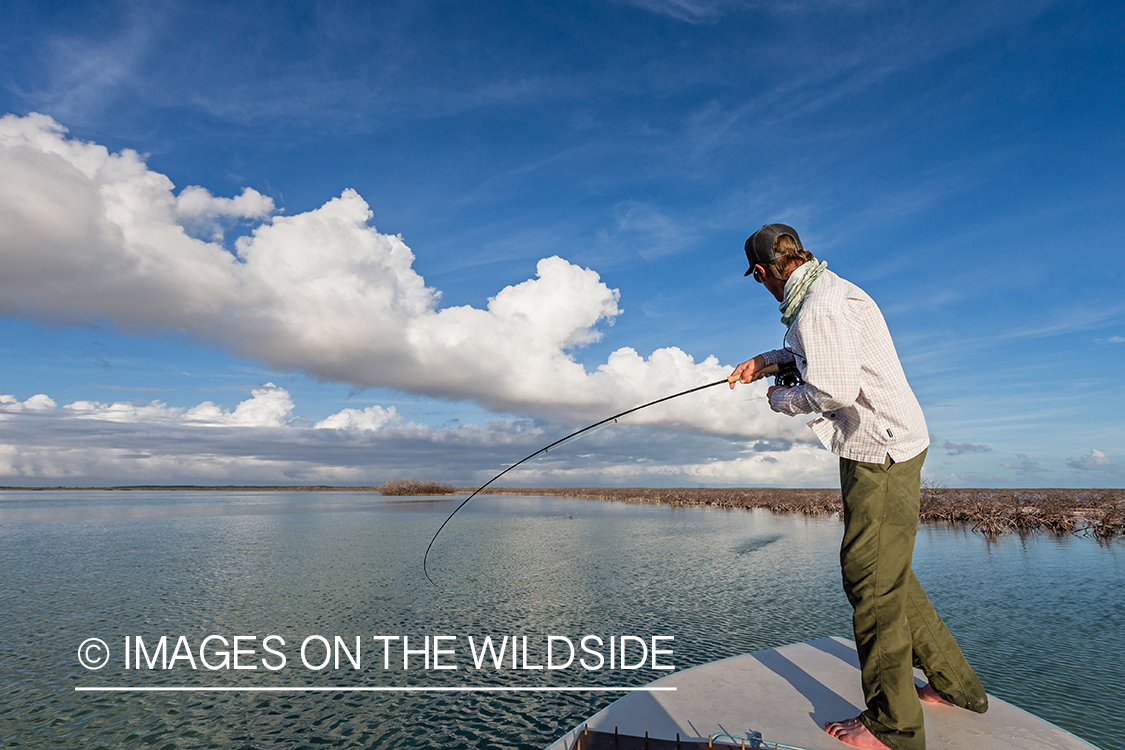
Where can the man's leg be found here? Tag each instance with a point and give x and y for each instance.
(937, 654)
(880, 522)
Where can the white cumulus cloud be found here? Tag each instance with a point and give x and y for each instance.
(269, 406)
(38, 402)
(89, 235)
(206, 214)
(1095, 460)
(371, 418)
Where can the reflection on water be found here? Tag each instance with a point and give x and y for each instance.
(1040, 617)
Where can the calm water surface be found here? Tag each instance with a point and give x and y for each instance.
(1041, 618)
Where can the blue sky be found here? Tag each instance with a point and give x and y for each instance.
(195, 292)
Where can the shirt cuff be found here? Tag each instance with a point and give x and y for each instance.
(780, 401)
(788, 401)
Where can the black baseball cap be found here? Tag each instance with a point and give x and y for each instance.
(759, 246)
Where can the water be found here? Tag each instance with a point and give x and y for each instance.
(1041, 618)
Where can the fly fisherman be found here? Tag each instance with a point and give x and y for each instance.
(868, 416)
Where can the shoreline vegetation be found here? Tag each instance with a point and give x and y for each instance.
(1087, 512)
(1099, 513)
(414, 486)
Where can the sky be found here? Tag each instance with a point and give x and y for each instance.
(338, 243)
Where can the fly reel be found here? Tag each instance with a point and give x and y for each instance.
(787, 375)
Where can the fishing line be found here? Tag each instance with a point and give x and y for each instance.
(544, 449)
(575, 439)
(560, 441)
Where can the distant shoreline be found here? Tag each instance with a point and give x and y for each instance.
(1091, 512)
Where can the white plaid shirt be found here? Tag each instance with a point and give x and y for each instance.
(852, 375)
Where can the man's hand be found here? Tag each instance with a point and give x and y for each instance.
(748, 371)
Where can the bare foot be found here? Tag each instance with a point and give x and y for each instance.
(853, 732)
(927, 694)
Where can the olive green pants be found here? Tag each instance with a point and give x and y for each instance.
(896, 627)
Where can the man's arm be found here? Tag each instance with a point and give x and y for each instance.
(833, 373)
(751, 369)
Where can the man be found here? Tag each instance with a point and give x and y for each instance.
(869, 417)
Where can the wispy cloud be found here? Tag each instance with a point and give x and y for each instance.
(1024, 467)
(647, 231)
(88, 75)
(957, 449)
(692, 11)
(708, 11)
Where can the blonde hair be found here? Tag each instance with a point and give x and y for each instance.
(787, 255)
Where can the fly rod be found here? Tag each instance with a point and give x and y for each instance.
(771, 370)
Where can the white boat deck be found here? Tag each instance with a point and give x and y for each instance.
(786, 695)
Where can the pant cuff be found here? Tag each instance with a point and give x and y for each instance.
(889, 739)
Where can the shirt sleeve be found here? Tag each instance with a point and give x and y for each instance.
(832, 377)
(777, 357)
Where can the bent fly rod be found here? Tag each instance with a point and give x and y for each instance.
(778, 372)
